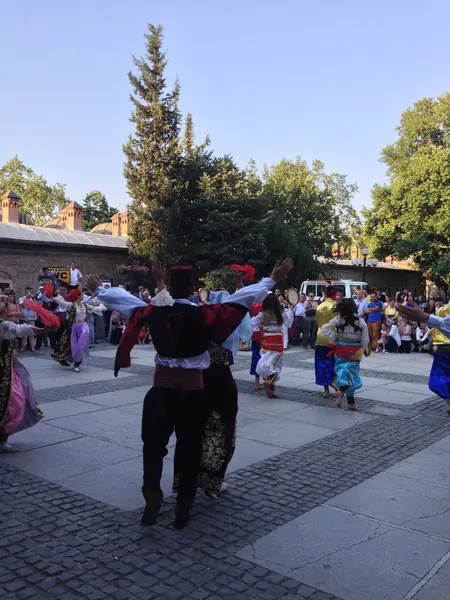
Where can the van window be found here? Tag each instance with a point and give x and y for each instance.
(340, 288)
(311, 289)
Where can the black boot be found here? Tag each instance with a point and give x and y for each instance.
(152, 508)
(64, 363)
(183, 513)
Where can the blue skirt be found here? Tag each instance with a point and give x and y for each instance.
(440, 375)
(347, 375)
(256, 356)
(324, 366)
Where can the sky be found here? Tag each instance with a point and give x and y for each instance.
(266, 80)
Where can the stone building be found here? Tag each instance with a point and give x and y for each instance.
(25, 249)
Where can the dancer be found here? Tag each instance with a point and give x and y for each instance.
(272, 319)
(324, 364)
(256, 346)
(74, 340)
(182, 334)
(439, 382)
(219, 434)
(18, 408)
(349, 337)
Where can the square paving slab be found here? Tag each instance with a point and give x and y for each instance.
(347, 555)
(400, 501)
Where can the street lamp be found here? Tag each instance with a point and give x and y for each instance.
(365, 252)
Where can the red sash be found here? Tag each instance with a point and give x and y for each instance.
(273, 343)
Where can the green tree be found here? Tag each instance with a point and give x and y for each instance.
(40, 200)
(96, 210)
(154, 165)
(225, 221)
(308, 212)
(410, 216)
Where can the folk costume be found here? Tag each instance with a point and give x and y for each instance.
(256, 344)
(324, 364)
(349, 340)
(439, 381)
(74, 340)
(182, 334)
(272, 347)
(219, 434)
(18, 407)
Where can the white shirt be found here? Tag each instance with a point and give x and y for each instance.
(299, 309)
(75, 275)
(362, 305)
(422, 335)
(120, 300)
(394, 333)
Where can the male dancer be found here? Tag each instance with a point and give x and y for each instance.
(182, 334)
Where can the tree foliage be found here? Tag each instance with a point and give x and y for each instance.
(153, 168)
(40, 200)
(411, 214)
(96, 210)
(190, 206)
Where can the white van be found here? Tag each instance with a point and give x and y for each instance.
(346, 286)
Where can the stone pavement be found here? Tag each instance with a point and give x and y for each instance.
(321, 503)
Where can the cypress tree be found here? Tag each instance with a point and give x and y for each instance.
(154, 162)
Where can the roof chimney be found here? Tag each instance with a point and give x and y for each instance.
(10, 207)
(124, 222)
(116, 225)
(72, 216)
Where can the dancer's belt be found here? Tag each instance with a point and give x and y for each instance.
(176, 378)
(273, 342)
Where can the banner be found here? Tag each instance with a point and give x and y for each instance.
(61, 273)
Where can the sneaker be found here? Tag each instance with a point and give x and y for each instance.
(384, 352)
(377, 350)
(76, 369)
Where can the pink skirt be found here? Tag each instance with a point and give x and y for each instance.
(23, 411)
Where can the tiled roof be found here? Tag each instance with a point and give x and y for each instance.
(49, 235)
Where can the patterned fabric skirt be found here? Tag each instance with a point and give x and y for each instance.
(256, 355)
(219, 436)
(324, 366)
(439, 382)
(79, 340)
(347, 375)
(23, 411)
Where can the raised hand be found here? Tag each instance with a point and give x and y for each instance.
(158, 274)
(93, 282)
(413, 313)
(281, 270)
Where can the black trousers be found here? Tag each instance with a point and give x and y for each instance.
(167, 410)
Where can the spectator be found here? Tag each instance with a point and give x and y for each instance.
(374, 312)
(300, 323)
(361, 304)
(47, 276)
(383, 338)
(14, 312)
(430, 309)
(405, 337)
(75, 276)
(390, 311)
(339, 297)
(310, 316)
(423, 338)
(29, 317)
(393, 340)
(422, 302)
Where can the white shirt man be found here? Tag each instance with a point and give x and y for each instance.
(361, 304)
(75, 275)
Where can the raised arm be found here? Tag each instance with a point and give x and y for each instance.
(441, 323)
(329, 330)
(119, 300)
(61, 302)
(9, 330)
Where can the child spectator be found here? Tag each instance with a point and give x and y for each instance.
(383, 338)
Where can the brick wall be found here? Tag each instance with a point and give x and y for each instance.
(21, 263)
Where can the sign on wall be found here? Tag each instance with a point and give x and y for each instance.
(61, 273)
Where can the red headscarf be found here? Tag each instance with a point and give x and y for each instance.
(72, 296)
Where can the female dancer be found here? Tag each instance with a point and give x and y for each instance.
(256, 346)
(271, 319)
(18, 408)
(324, 364)
(439, 382)
(74, 340)
(349, 335)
